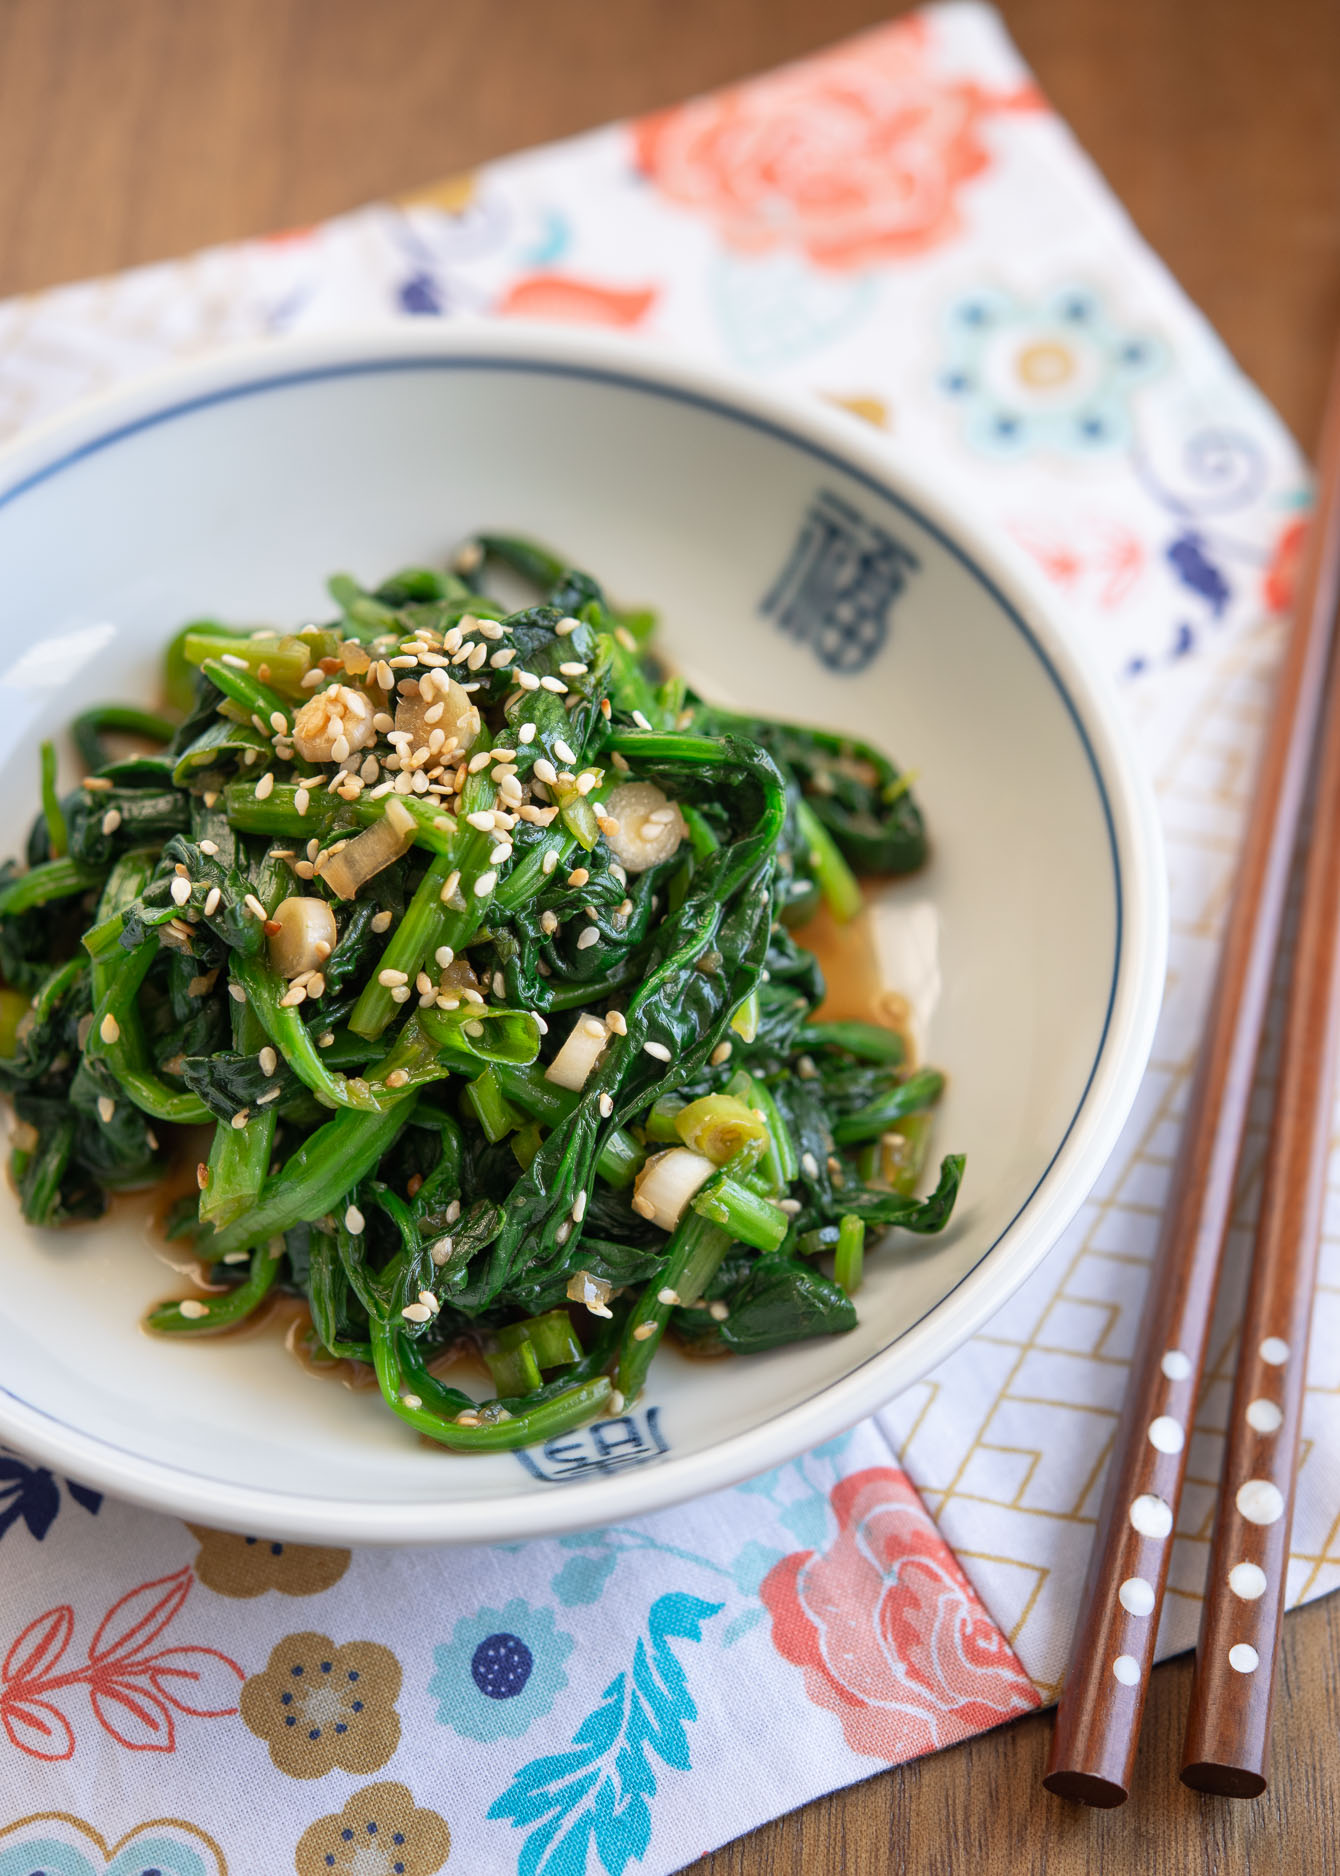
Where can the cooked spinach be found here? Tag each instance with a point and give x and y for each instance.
(469, 935)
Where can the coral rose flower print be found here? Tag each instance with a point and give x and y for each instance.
(887, 1629)
(856, 157)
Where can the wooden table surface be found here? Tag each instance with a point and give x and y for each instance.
(135, 129)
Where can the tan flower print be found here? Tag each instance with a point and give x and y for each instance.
(248, 1566)
(378, 1833)
(318, 1706)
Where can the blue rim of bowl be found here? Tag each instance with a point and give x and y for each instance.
(628, 380)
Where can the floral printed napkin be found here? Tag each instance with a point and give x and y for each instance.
(900, 225)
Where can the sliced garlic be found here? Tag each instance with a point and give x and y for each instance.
(305, 925)
(650, 825)
(336, 716)
(457, 717)
(579, 1054)
(666, 1184)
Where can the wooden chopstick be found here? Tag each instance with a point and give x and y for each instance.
(1098, 1720)
(1227, 1742)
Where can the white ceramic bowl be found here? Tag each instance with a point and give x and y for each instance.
(1032, 945)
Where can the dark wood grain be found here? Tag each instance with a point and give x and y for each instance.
(135, 129)
(1093, 1750)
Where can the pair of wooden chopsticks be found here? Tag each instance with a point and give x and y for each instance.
(1227, 1741)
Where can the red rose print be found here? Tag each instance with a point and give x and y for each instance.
(133, 1688)
(1281, 579)
(559, 296)
(855, 157)
(888, 1630)
(1101, 559)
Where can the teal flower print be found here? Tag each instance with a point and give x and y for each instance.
(502, 1669)
(1053, 374)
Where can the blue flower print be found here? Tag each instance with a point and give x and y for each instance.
(31, 1494)
(1052, 374)
(501, 1670)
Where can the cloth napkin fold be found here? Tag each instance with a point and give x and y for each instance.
(902, 225)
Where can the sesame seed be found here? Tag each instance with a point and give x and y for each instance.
(658, 1049)
(564, 754)
(109, 1029)
(271, 1094)
(390, 977)
(586, 781)
(809, 1165)
(450, 886)
(614, 1020)
(429, 1301)
(237, 993)
(668, 1296)
(579, 1208)
(268, 1060)
(467, 1419)
(644, 1331)
(606, 1107)
(573, 670)
(106, 1109)
(528, 732)
(292, 997)
(527, 680)
(381, 921)
(589, 936)
(111, 820)
(578, 876)
(440, 1251)
(640, 720)
(101, 781)
(241, 1117)
(720, 1054)
(265, 786)
(789, 1206)
(485, 883)
(718, 1311)
(411, 1401)
(254, 906)
(549, 923)
(545, 771)
(400, 993)
(180, 890)
(416, 1312)
(482, 818)
(191, 1307)
(231, 658)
